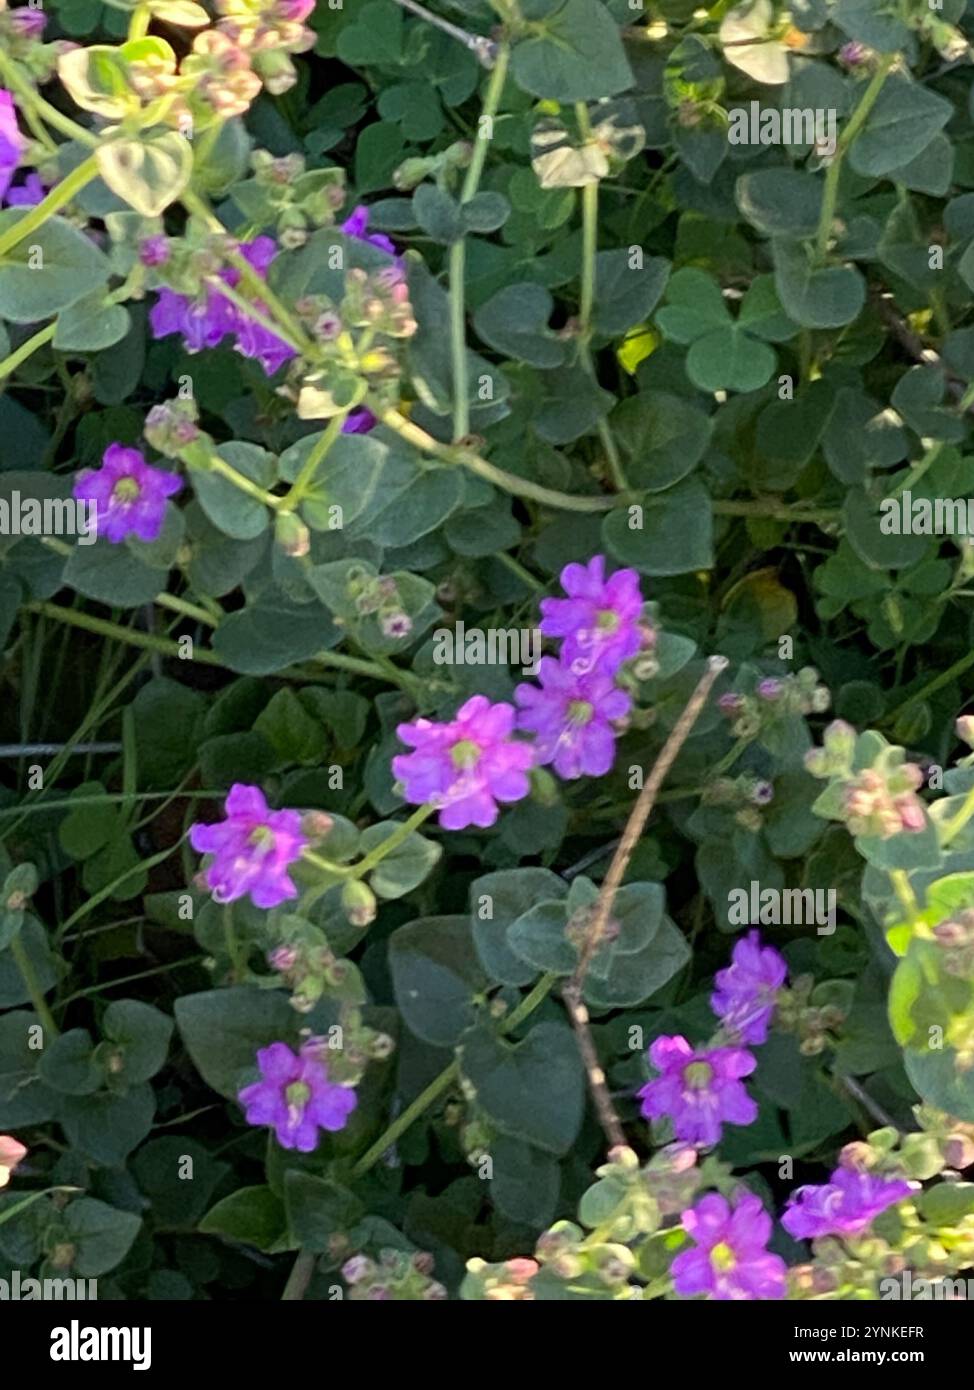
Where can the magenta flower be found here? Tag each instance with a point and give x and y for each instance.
(699, 1091)
(127, 496)
(600, 618)
(359, 422)
(729, 1259)
(843, 1206)
(11, 140)
(569, 715)
(745, 995)
(295, 1097)
(356, 226)
(466, 766)
(252, 849)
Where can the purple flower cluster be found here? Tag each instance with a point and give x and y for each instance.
(295, 1096)
(127, 497)
(205, 321)
(252, 849)
(572, 714)
(701, 1089)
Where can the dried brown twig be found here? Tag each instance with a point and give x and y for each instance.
(572, 992)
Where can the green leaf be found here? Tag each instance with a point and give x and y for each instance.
(68, 1064)
(90, 325)
(533, 1090)
(497, 900)
(49, 270)
(435, 977)
(271, 633)
(816, 298)
(290, 729)
(572, 53)
(902, 123)
(780, 202)
(108, 1127)
(112, 575)
(147, 173)
(142, 1032)
(223, 1028)
(253, 1216)
(728, 359)
(230, 509)
(102, 1235)
(405, 867)
(624, 294)
(525, 1183)
(318, 1209)
(514, 322)
(670, 533)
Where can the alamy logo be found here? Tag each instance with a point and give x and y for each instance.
(789, 125)
(77, 1343)
(907, 515)
(16, 1290)
(782, 907)
(50, 516)
(497, 646)
(912, 1286)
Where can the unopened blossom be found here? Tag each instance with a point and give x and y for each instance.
(225, 79)
(744, 999)
(295, 1096)
(466, 766)
(127, 496)
(357, 226)
(570, 716)
(699, 1090)
(600, 618)
(730, 1259)
(154, 250)
(11, 140)
(28, 193)
(252, 849)
(843, 1206)
(359, 422)
(26, 22)
(885, 804)
(11, 1153)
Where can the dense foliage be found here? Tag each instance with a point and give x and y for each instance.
(507, 443)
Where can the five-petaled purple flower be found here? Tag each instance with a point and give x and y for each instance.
(357, 226)
(745, 995)
(569, 715)
(700, 1091)
(11, 140)
(600, 618)
(127, 496)
(295, 1096)
(252, 849)
(729, 1259)
(466, 766)
(843, 1206)
(205, 321)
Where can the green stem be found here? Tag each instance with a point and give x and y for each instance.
(189, 610)
(316, 455)
(320, 862)
(33, 986)
(9, 1213)
(139, 23)
(933, 453)
(945, 677)
(26, 349)
(904, 891)
(401, 833)
(30, 98)
(446, 1079)
(856, 122)
(299, 1278)
(103, 628)
(241, 481)
(458, 253)
(955, 825)
(61, 194)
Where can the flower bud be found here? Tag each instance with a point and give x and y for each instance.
(292, 535)
(358, 903)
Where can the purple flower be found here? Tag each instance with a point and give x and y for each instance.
(252, 849)
(569, 716)
(127, 496)
(205, 321)
(27, 194)
(359, 422)
(466, 766)
(11, 140)
(295, 1097)
(843, 1206)
(699, 1091)
(745, 995)
(600, 618)
(26, 22)
(730, 1259)
(356, 226)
